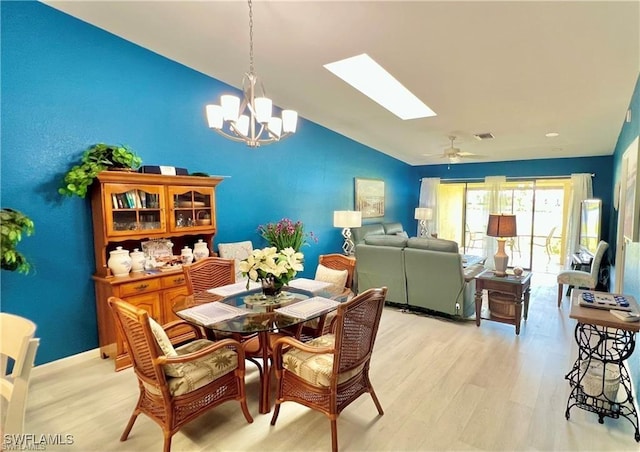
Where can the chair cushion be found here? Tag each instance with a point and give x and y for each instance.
(335, 277)
(576, 278)
(173, 370)
(315, 368)
(201, 372)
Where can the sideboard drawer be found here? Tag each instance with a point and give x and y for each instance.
(139, 287)
(176, 280)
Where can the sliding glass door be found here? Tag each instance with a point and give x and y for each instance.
(540, 207)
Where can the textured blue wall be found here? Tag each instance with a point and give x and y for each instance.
(67, 85)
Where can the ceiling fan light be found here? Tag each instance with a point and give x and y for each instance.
(214, 116)
(263, 106)
(289, 121)
(230, 107)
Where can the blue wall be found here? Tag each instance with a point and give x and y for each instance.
(66, 85)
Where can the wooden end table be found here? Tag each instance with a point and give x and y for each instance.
(517, 287)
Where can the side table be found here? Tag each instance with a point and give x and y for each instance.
(517, 287)
(604, 343)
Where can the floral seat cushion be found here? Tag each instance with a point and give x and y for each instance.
(186, 377)
(315, 368)
(576, 278)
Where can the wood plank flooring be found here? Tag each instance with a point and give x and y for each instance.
(444, 385)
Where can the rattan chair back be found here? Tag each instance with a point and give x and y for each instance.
(208, 273)
(340, 262)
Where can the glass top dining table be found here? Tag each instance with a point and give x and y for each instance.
(256, 314)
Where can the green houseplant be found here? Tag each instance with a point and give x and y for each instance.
(95, 159)
(12, 225)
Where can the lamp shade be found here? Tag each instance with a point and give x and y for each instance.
(347, 219)
(502, 226)
(423, 213)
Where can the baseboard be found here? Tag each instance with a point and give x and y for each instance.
(76, 359)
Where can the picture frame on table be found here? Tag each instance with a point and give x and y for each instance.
(369, 197)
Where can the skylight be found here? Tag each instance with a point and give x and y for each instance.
(372, 80)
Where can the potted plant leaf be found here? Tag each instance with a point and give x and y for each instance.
(97, 158)
(12, 225)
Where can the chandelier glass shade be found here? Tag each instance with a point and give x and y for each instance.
(251, 119)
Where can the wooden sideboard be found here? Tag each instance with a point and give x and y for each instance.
(128, 209)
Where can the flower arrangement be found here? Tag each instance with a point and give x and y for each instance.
(272, 267)
(285, 234)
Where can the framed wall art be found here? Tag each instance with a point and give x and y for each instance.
(369, 197)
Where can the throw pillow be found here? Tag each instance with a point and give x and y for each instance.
(335, 277)
(172, 370)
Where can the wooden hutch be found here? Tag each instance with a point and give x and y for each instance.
(130, 208)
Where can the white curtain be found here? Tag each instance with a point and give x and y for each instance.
(429, 198)
(581, 189)
(494, 187)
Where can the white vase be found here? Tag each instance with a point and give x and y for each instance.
(186, 255)
(137, 260)
(200, 250)
(119, 262)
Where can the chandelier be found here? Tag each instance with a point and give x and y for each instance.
(251, 121)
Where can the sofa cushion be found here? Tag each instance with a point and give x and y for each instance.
(424, 243)
(392, 228)
(386, 240)
(402, 234)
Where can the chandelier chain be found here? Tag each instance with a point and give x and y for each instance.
(251, 37)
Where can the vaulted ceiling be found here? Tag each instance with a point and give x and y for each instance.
(515, 69)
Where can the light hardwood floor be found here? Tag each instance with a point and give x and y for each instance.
(444, 385)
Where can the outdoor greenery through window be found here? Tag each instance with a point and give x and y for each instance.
(540, 206)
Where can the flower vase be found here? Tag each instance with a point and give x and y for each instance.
(271, 287)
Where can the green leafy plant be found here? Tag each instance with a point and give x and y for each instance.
(12, 225)
(97, 158)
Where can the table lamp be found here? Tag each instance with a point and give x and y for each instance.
(501, 226)
(423, 214)
(347, 219)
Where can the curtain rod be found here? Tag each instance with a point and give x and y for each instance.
(481, 179)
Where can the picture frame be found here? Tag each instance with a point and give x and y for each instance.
(369, 197)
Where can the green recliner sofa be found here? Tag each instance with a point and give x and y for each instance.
(419, 272)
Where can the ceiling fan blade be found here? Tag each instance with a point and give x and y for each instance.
(465, 154)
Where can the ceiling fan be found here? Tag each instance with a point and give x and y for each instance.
(454, 154)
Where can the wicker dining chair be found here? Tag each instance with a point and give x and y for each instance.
(337, 269)
(329, 372)
(178, 385)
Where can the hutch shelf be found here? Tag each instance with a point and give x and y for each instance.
(128, 209)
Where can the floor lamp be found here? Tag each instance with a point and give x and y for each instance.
(502, 227)
(347, 219)
(423, 214)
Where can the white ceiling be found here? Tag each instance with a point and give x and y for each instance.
(516, 69)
